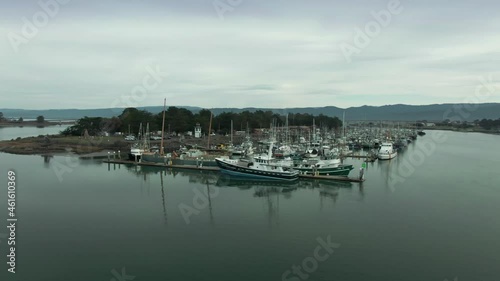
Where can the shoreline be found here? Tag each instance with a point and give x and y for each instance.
(35, 124)
(54, 144)
(59, 144)
(459, 130)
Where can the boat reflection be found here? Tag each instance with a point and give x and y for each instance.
(270, 192)
(395, 171)
(163, 199)
(263, 188)
(326, 188)
(269, 185)
(46, 160)
(203, 177)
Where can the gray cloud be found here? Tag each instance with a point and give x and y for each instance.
(93, 52)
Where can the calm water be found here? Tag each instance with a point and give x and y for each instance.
(439, 222)
(8, 133)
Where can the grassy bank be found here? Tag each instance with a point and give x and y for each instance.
(54, 144)
(61, 144)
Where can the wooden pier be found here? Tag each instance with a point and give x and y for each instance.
(355, 156)
(367, 158)
(161, 165)
(216, 169)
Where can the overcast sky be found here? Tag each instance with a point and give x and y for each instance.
(259, 53)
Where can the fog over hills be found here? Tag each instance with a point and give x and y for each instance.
(397, 112)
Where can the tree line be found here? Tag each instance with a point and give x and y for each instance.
(183, 120)
(39, 119)
(489, 124)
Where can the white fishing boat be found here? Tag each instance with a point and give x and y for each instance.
(329, 165)
(141, 146)
(387, 151)
(260, 167)
(136, 152)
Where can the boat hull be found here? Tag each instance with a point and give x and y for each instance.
(154, 158)
(135, 154)
(134, 157)
(341, 170)
(387, 156)
(387, 151)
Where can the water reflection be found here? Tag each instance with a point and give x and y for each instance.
(393, 170)
(46, 160)
(269, 192)
(210, 211)
(163, 199)
(262, 188)
(241, 183)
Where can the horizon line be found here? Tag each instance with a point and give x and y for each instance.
(268, 108)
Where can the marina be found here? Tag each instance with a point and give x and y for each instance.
(250, 140)
(270, 224)
(280, 152)
(321, 157)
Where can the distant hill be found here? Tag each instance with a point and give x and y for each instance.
(397, 112)
(73, 114)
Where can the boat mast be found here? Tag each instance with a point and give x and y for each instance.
(287, 131)
(209, 130)
(146, 138)
(163, 126)
(343, 125)
(231, 131)
(314, 131)
(270, 151)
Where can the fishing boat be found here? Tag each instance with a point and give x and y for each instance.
(259, 167)
(136, 152)
(329, 167)
(311, 153)
(156, 155)
(243, 150)
(251, 169)
(387, 151)
(137, 149)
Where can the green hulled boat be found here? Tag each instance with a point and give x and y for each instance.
(328, 167)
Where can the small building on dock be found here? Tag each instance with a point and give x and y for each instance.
(197, 131)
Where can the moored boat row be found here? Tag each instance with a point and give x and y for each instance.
(320, 155)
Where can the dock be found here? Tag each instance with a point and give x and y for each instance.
(355, 156)
(367, 158)
(161, 165)
(216, 169)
